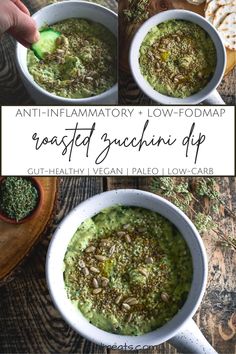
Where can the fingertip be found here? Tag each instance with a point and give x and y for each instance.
(36, 36)
(21, 25)
(28, 30)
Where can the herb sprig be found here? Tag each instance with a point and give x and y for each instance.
(184, 192)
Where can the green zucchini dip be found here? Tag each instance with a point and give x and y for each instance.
(177, 58)
(83, 63)
(128, 270)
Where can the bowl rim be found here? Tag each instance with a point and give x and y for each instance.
(38, 206)
(28, 76)
(144, 84)
(109, 338)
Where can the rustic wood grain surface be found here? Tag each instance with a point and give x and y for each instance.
(29, 323)
(17, 241)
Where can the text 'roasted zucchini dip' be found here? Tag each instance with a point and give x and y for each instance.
(83, 62)
(128, 270)
(178, 58)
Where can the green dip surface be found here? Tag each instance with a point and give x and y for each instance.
(178, 58)
(128, 270)
(84, 63)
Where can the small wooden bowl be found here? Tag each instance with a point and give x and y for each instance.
(37, 208)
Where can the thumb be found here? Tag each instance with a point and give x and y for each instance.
(21, 25)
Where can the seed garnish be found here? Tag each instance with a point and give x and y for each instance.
(100, 258)
(94, 270)
(85, 271)
(90, 249)
(165, 297)
(130, 317)
(60, 51)
(118, 299)
(95, 283)
(112, 250)
(126, 306)
(143, 272)
(97, 291)
(149, 260)
(105, 282)
(131, 301)
(120, 233)
(81, 263)
(127, 238)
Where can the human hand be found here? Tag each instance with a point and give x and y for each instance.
(15, 19)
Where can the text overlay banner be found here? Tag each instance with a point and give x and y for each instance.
(118, 140)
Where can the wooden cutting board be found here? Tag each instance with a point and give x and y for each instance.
(127, 31)
(16, 241)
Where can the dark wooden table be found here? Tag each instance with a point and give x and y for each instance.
(29, 323)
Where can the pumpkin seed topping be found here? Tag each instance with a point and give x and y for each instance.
(118, 299)
(165, 297)
(97, 291)
(94, 270)
(85, 271)
(90, 249)
(126, 306)
(81, 263)
(100, 258)
(95, 283)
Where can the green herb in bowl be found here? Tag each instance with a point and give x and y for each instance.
(19, 197)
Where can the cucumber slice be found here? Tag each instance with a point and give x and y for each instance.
(46, 44)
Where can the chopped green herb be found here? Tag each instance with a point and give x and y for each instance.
(18, 197)
(204, 222)
(137, 11)
(184, 191)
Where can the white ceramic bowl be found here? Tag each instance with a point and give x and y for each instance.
(58, 12)
(58, 247)
(209, 92)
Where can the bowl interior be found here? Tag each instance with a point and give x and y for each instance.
(87, 209)
(181, 15)
(62, 11)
